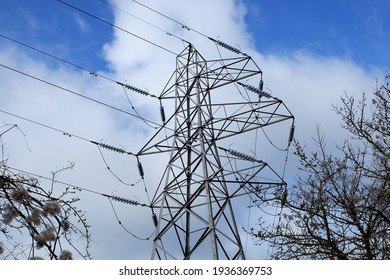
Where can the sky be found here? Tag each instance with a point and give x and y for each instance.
(311, 53)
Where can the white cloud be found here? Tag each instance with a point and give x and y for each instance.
(310, 85)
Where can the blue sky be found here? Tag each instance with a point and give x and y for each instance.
(357, 30)
(311, 53)
(55, 28)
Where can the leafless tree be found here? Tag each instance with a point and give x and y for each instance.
(339, 207)
(38, 222)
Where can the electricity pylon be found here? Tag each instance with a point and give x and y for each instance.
(195, 214)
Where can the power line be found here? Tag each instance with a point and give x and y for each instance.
(98, 144)
(218, 42)
(91, 72)
(57, 58)
(144, 21)
(113, 173)
(117, 27)
(132, 106)
(110, 197)
(78, 94)
(68, 134)
(77, 187)
(171, 19)
(121, 224)
(124, 86)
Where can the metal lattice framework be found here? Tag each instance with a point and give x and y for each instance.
(196, 219)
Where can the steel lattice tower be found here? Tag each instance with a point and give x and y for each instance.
(195, 215)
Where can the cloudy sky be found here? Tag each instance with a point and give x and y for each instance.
(311, 53)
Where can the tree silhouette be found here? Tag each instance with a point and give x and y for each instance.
(339, 206)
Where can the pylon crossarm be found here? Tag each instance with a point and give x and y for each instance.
(224, 125)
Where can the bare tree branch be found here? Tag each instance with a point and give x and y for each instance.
(339, 207)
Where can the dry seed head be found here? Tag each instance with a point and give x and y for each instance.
(19, 194)
(66, 255)
(51, 208)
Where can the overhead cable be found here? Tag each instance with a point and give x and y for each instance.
(68, 134)
(135, 111)
(113, 173)
(120, 222)
(143, 20)
(110, 197)
(45, 126)
(117, 27)
(78, 94)
(171, 19)
(57, 58)
(218, 42)
(91, 72)
(76, 187)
